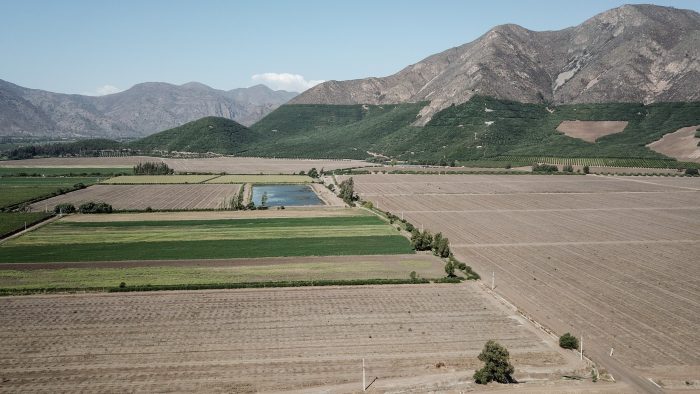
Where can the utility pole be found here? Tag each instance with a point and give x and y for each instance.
(581, 347)
(364, 383)
(493, 280)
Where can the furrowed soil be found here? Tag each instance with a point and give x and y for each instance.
(215, 165)
(614, 259)
(140, 197)
(591, 130)
(253, 340)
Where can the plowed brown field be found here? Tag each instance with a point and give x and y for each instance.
(260, 339)
(230, 165)
(615, 259)
(126, 197)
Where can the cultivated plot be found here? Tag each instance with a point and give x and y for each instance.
(205, 239)
(216, 165)
(140, 197)
(610, 258)
(261, 339)
(159, 179)
(271, 179)
(17, 190)
(591, 130)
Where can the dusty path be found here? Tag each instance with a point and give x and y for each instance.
(328, 197)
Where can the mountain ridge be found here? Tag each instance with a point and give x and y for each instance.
(143, 109)
(651, 51)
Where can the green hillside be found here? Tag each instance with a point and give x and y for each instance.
(210, 134)
(461, 132)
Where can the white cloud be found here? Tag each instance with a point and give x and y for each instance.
(104, 90)
(285, 81)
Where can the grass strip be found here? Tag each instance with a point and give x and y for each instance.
(255, 223)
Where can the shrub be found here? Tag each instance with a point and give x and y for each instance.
(548, 168)
(691, 171)
(64, 208)
(568, 168)
(497, 366)
(95, 207)
(450, 269)
(568, 341)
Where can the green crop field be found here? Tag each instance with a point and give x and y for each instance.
(205, 239)
(64, 171)
(77, 278)
(13, 221)
(18, 190)
(270, 179)
(158, 179)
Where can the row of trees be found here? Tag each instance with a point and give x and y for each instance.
(88, 207)
(423, 240)
(347, 192)
(150, 168)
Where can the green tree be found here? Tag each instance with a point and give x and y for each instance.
(347, 191)
(586, 169)
(450, 269)
(497, 366)
(263, 199)
(568, 341)
(312, 173)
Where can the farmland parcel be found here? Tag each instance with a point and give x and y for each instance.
(614, 259)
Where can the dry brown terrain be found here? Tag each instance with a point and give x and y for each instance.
(614, 259)
(263, 339)
(591, 130)
(126, 197)
(681, 144)
(230, 165)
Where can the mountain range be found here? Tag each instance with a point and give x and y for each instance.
(144, 109)
(634, 53)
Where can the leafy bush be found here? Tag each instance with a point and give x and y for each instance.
(547, 168)
(64, 208)
(691, 171)
(95, 207)
(497, 366)
(150, 168)
(586, 169)
(568, 341)
(568, 168)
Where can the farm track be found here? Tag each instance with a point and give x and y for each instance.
(259, 339)
(139, 197)
(611, 258)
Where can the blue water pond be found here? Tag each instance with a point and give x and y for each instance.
(287, 195)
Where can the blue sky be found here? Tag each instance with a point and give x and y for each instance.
(96, 47)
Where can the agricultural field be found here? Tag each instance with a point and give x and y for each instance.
(63, 171)
(681, 144)
(252, 340)
(158, 179)
(158, 197)
(611, 258)
(214, 165)
(17, 190)
(14, 221)
(591, 130)
(96, 275)
(73, 241)
(265, 179)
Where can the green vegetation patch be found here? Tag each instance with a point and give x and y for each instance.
(205, 239)
(15, 191)
(15, 221)
(200, 230)
(79, 278)
(205, 249)
(64, 171)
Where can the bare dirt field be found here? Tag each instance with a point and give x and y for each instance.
(681, 144)
(309, 339)
(230, 165)
(127, 197)
(591, 130)
(614, 259)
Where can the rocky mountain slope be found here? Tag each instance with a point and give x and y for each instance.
(144, 109)
(634, 53)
